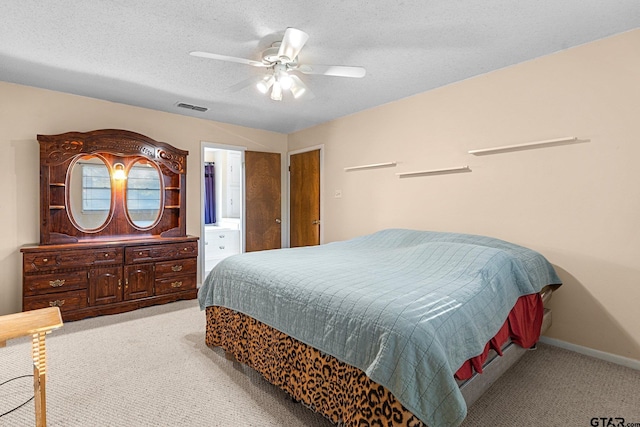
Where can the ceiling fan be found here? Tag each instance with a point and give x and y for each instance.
(280, 60)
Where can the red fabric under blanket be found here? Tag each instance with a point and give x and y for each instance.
(522, 326)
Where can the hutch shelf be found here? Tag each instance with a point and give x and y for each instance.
(109, 242)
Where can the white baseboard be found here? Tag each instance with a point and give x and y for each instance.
(613, 358)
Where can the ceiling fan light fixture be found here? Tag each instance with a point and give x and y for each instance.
(276, 91)
(297, 91)
(285, 81)
(298, 88)
(265, 84)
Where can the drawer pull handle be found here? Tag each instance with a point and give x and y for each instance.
(140, 253)
(176, 284)
(56, 303)
(177, 267)
(106, 255)
(45, 260)
(221, 236)
(56, 283)
(221, 247)
(186, 249)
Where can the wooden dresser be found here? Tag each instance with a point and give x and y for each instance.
(112, 225)
(92, 279)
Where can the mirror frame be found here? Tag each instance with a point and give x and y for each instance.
(59, 152)
(130, 216)
(78, 161)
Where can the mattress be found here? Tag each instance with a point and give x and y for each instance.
(340, 392)
(405, 307)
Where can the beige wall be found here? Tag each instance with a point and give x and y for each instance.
(27, 111)
(577, 204)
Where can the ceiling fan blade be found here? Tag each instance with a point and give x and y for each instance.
(228, 58)
(292, 43)
(333, 70)
(251, 81)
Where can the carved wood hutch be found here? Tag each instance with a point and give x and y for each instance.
(112, 226)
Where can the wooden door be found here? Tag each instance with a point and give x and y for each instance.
(138, 281)
(304, 184)
(105, 285)
(262, 201)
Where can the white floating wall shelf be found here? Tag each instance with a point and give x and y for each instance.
(459, 169)
(527, 146)
(371, 166)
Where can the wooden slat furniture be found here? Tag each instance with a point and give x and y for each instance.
(36, 323)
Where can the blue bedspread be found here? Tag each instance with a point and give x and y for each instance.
(406, 307)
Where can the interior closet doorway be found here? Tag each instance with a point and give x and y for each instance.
(223, 188)
(263, 221)
(305, 197)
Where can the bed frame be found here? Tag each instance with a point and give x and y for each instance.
(495, 365)
(243, 345)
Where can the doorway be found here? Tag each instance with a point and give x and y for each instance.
(223, 204)
(263, 223)
(247, 203)
(305, 197)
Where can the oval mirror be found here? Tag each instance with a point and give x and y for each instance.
(144, 193)
(89, 198)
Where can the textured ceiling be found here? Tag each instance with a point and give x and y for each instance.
(137, 51)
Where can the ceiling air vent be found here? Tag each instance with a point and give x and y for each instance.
(192, 107)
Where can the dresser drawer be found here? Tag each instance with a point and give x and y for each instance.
(176, 268)
(56, 282)
(107, 256)
(67, 301)
(220, 235)
(160, 252)
(168, 285)
(90, 257)
(222, 242)
(218, 249)
(41, 261)
(50, 261)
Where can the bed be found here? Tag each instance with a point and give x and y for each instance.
(374, 330)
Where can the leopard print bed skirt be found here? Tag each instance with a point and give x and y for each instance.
(340, 392)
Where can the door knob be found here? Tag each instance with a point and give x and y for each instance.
(278, 221)
(315, 222)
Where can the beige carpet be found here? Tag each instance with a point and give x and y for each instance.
(151, 368)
